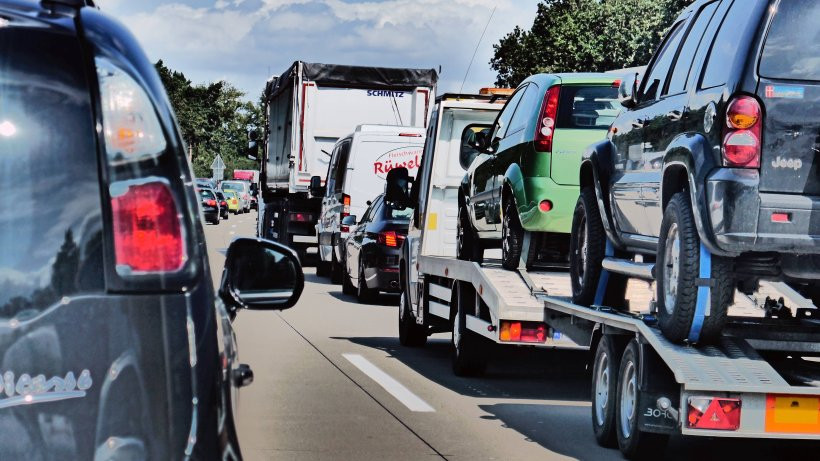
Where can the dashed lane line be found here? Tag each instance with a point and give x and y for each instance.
(393, 387)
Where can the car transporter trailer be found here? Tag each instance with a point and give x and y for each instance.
(755, 382)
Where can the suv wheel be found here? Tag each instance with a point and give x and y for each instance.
(468, 246)
(678, 263)
(512, 239)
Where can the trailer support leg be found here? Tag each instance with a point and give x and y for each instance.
(603, 280)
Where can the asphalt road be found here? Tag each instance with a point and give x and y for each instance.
(332, 382)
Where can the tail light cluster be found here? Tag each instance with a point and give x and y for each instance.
(345, 212)
(210, 202)
(147, 225)
(390, 238)
(742, 140)
(546, 126)
(301, 217)
(715, 413)
(526, 332)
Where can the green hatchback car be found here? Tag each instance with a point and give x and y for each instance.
(525, 178)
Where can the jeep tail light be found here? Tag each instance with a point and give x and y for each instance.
(526, 332)
(345, 212)
(741, 140)
(716, 413)
(130, 125)
(546, 121)
(147, 228)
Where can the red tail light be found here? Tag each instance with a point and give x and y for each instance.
(345, 212)
(527, 332)
(210, 202)
(546, 121)
(301, 217)
(223, 203)
(721, 414)
(147, 231)
(390, 238)
(741, 140)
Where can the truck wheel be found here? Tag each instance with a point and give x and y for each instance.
(469, 350)
(468, 246)
(364, 294)
(604, 387)
(512, 239)
(322, 268)
(678, 263)
(411, 334)
(632, 441)
(587, 248)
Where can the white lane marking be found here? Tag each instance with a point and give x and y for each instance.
(231, 232)
(395, 388)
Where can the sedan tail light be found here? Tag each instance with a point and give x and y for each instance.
(147, 230)
(390, 238)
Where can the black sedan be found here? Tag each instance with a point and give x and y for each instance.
(372, 250)
(210, 205)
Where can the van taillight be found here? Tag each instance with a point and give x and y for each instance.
(147, 229)
(345, 212)
(545, 129)
(741, 141)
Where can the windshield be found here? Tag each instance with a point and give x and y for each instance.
(206, 194)
(792, 49)
(590, 107)
(396, 214)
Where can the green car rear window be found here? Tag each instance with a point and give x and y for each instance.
(587, 107)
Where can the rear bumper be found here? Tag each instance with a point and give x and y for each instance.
(211, 214)
(559, 218)
(741, 216)
(381, 268)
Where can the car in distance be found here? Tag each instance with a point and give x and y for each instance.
(372, 250)
(114, 343)
(223, 204)
(210, 205)
(233, 201)
(711, 171)
(207, 183)
(243, 191)
(526, 179)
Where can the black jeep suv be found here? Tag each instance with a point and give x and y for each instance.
(711, 171)
(113, 342)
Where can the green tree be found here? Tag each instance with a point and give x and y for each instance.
(213, 118)
(584, 35)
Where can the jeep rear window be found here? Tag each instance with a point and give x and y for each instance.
(587, 107)
(792, 49)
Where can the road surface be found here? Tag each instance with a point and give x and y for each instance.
(332, 382)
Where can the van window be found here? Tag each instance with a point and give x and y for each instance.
(422, 180)
(340, 167)
(660, 69)
(725, 46)
(507, 114)
(683, 66)
(792, 49)
(587, 107)
(51, 228)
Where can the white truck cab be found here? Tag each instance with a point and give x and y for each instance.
(356, 173)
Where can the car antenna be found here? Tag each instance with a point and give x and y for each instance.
(461, 90)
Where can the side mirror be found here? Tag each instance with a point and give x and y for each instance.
(316, 188)
(627, 91)
(397, 188)
(261, 275)
(349, 220)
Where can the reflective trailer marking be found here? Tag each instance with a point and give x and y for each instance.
(393, 387)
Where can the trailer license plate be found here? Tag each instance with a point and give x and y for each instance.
(793, 414)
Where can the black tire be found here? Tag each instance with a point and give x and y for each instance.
(632, 441)
(468, 349)
(322, 268)
(605, 369)
(337, 269)
(347, 285)
(679, 268)
(411, 334)
(468, 245)
(364, 294)
(215, 221)
(512, 239)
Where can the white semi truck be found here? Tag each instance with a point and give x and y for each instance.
(760, 381)
(307, 109)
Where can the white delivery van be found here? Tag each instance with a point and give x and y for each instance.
(358, 166)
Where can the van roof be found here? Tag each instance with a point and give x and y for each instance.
(389, 130)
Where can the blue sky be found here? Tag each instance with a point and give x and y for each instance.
(246, 41)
